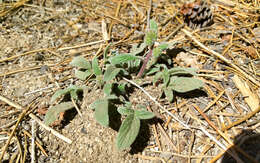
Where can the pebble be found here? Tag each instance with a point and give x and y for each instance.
(6, 157)
(27, 127)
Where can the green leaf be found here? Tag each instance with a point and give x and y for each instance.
(111, 73)
(166, 77)
(128, 132)
(111, 97)
(151, 35)
(95, 103)
(106, 51)
(136, 51)
(125, 111)
(143, 114)
(157, 76)
(153, 25)
(81, 62)
(82, 75)
(163, 46)
(107, 88)
(153, 70)
(96, 68)
(59, 93)
(73, 94)
(101, 112)
(72, 89)
(183, 71)
(122, 58)
(169, 94)
(53, 113)
(159, 49)
(185, 84)
(150, 38)
(122, 87)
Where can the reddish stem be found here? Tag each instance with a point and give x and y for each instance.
(147, 58)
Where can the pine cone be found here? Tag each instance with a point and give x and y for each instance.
(197, 14)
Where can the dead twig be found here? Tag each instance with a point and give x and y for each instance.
(67, 140)
(13, 131)
(246, 117)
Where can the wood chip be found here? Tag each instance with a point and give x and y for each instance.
(251, 98)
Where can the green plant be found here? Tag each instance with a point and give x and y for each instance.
(86, 69)
(54, 112)
(72, 90)
(176, 79)
(129, 129)
(153, 53)
(109, 76)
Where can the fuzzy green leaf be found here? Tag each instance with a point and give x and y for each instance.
(163, 46)
(95, 103)
(169, 94)
(101, 112)
(65, 91)
(53, 112)
(150, 37)
(122, 58)
(153, 70)
(182, 71)
(106, 52)
(136, 51)
(73, 94)
(128, 132)
(59, 93)
(159, 49)
(107, 88)
(96, 68)
(111, 73)
(125, 111)
(143, 114)
(153, 25)
(81, 62)
(82, 75)
(185, 84)
(166, 77)
(157, 76)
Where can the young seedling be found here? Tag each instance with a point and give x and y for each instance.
(108, 77)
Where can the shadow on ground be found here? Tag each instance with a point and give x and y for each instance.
(247, 148)
(143, 136)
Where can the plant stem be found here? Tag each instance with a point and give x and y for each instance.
(147, 58)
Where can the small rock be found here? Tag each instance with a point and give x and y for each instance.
(6, 157)
(20, 92)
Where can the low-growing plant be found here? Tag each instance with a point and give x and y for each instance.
(109, 78)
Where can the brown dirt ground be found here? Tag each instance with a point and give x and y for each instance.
(34, 64)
